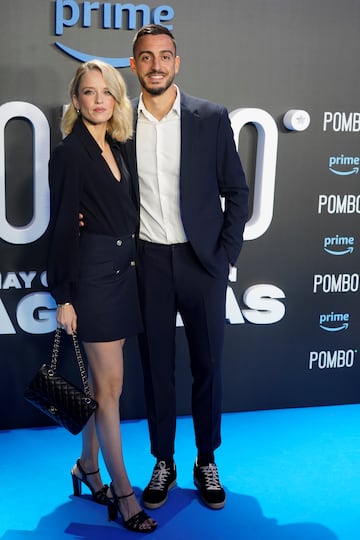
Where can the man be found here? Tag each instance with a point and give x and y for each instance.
(185, 158)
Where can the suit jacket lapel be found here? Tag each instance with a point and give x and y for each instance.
(189, 137)
(130, 151)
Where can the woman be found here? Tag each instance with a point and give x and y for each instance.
(92, 274)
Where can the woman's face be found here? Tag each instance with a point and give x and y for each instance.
(94, 99)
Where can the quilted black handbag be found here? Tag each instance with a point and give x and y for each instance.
(58, 398)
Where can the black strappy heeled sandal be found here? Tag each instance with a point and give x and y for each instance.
(135, 522)
(98, 496)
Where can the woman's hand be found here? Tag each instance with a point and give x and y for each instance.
(66, 318)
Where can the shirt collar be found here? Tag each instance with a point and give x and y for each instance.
(175, 108)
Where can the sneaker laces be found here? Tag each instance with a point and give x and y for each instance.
(159, 476)
(211, 475)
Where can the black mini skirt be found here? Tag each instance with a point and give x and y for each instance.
(106, 295)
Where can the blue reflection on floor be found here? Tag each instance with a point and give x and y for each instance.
(289, 475)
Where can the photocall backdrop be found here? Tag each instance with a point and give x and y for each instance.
(288, 74)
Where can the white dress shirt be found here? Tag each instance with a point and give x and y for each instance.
(158, 161)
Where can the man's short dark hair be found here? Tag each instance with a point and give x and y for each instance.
(152, 30)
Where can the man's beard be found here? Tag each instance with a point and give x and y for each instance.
(157, 91)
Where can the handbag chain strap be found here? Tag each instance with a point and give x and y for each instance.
(55, 356)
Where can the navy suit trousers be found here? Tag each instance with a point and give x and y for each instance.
(171, 280)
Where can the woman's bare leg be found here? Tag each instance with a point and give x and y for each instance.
(89, 459)
(106, 364)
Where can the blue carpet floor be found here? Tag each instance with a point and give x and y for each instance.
(289, 475)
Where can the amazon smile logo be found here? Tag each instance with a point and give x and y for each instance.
(344, 165)
(334, 322)
(111, 16)
(339, 245)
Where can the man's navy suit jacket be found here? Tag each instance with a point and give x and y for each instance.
(209, 168)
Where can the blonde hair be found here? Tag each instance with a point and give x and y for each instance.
(120, 126)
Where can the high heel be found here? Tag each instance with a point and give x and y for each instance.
(135, 522)
(98, 496)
